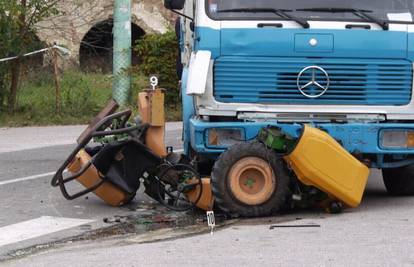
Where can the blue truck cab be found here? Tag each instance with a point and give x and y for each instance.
(345, 67)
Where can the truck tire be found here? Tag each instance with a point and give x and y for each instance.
(249, 180)
(399, 181)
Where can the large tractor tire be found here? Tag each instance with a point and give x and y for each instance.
(399, 181)
(249, 180)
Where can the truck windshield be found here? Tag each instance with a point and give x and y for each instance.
(384, 10)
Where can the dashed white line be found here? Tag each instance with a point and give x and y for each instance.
(36, 228)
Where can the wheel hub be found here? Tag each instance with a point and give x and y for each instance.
(252, 181)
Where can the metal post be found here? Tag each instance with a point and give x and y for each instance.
(122, 51)
(58, 99)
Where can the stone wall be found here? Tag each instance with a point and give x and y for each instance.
(78, 17)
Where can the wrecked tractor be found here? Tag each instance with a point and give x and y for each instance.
(116, 155)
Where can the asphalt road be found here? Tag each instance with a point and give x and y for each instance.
(25, 191)
(378, 233)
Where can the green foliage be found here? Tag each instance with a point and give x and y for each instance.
(18, 36)
(17, 24)
(158, 53)
(83, 96)
(77, 96)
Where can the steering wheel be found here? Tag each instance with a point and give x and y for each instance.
(174, 183)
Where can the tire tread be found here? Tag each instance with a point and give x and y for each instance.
(223, 197)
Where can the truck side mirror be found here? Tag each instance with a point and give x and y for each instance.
(174, 4)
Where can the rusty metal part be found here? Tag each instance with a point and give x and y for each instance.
(109, 109)
(252, 181)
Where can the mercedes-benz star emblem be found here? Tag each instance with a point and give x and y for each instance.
(313, 82)
(313, 42)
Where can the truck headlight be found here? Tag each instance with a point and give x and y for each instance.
(395, 139)
(222, 137)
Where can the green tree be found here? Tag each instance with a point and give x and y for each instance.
(18, 19)
(158, 53)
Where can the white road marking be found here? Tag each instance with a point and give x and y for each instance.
(33, 177)
(36, 228)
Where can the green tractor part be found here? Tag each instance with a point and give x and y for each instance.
(277, 140)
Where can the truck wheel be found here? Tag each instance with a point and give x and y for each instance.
(249, 180)
(400, 181)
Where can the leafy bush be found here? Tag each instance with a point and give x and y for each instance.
(77, 97)
(18, 20)
(83, 96)
(158, 53)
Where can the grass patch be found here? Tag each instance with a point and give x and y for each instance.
(83, 96)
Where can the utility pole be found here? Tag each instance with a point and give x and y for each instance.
(122, 51)
(58, 99)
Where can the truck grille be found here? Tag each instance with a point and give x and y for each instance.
(274, 81)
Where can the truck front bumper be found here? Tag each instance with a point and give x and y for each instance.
(357, 138)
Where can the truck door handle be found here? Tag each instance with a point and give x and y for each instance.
(358, 26)
(270, 25)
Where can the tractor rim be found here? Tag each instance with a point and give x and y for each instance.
(252, 181)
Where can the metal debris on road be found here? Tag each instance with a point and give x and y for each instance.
(295, 226)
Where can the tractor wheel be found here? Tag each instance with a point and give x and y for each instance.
(399, 181)
(249, 180)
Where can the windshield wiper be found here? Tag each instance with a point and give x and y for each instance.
(280, 12)
(363, 14)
